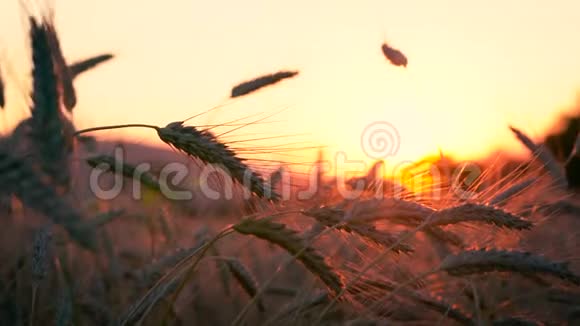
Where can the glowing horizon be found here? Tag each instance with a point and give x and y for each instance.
(473, 69)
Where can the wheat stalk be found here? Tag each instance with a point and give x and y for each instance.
(333, 218)
(47, 126)
(65, 84)
(182, 269)
(206, 147)
(255, 84)
(402, 212)
(289, 240)
(545, 156)
(139, 310)
(482, 261)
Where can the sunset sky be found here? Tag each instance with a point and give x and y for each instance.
(474, 68)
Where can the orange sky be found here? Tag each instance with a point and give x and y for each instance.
(474, 67)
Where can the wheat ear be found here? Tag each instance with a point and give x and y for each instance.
(334, 218)
(244, 277)
(478, 213)
(255, 84)
(47, 125)
(289, 240)
(482, 261)
(206, 147)
(394, 56)
(80, 67)
(65, 84)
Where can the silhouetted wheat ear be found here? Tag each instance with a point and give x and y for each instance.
(206, 147)
(402, 212)
(80, 67)
(2, 96)
(545, 156)
(65, 84)
(478, 213)
(332, 217)
(244, 277)
(255, 84)
(19, 179)
(47, 126)
(394, 56)
(109, 163)
(289, 240)
(482, 261)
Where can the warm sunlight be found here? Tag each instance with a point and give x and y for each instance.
(472, 69)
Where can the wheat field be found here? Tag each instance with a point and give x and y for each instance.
(507, 254)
